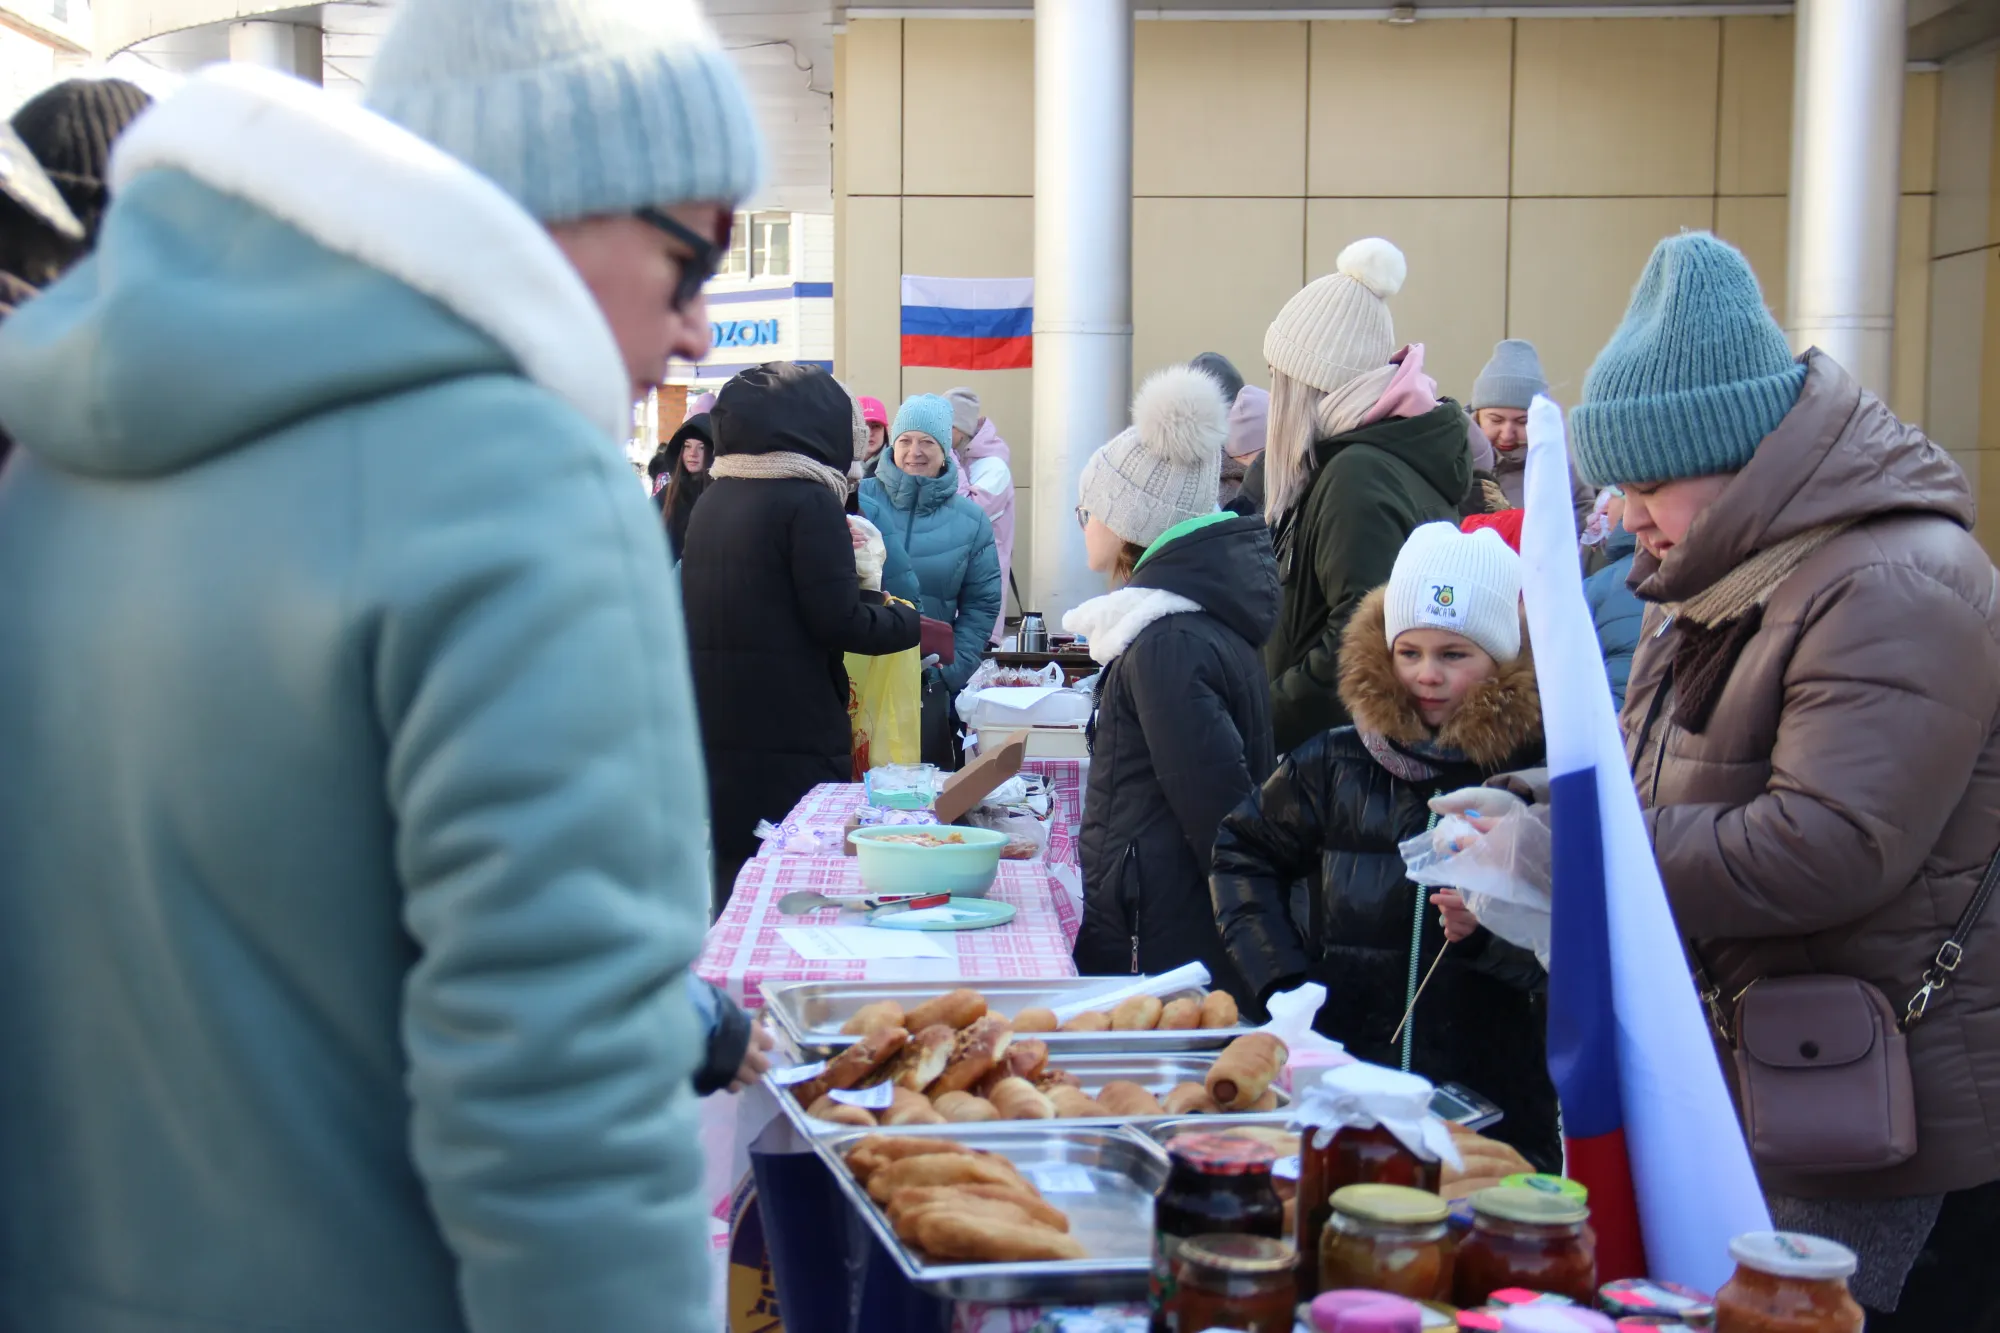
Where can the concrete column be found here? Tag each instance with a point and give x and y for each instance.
(1847, 135)
(1083, 273)
(290, 48)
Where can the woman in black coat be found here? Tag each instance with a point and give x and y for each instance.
(1434, 711)
(773, 602)
(1182, 729)
(687, 457)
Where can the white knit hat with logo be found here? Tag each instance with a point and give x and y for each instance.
(1468, 583)
(1337, 328)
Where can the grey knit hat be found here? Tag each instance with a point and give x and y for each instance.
(1165, 467)
(1337, 328)
(965, 411)
(1512, 378)
(574, 107)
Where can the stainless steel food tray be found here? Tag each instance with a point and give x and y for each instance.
(1112, 1218)
(809, 1014)
(1157, 1071)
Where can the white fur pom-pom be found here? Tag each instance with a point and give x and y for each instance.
(1179, 413)
(1375, 264)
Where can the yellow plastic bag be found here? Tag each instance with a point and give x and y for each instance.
(885, 707)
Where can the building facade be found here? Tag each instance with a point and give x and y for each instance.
(1525, 165)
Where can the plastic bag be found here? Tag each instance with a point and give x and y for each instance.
(1292, 1014)
(1503, 874)
(990, 672)
(884, 706)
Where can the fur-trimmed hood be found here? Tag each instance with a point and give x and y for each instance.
(274, 254)
(1497, 720)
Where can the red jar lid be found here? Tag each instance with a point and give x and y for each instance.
(1222, 1154)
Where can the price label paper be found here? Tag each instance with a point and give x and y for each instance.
(877, 1098)
(1062, 1178)
(1286, 1168)
(785, 1078)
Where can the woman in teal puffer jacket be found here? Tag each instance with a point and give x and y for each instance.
(914, 494)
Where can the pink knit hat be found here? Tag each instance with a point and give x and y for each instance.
(1247, 418)
(873, 412)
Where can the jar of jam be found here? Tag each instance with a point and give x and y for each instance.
(1788, 1283)
(1234, 1282)
(1345, 1142)
(1219, 1185)
(1530, 1239)
(1387, 1238)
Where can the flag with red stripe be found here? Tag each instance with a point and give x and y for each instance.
(1647, 1121)
(969, 323)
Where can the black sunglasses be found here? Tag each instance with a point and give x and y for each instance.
(702, 264)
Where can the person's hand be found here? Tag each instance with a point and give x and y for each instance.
(755, 1062)
(857, 536)
(1481, 807)
(1456, 918)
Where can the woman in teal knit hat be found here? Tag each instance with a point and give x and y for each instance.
(1814, 721)
(913, 497)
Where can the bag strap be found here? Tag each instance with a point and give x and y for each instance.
(1952, 952)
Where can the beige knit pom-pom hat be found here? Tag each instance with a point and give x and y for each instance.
(1337, 328)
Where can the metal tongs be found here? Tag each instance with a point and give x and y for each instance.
(801, 901)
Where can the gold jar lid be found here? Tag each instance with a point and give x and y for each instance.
(1396, 1205)
(1533, 1207)
(1233, 1253)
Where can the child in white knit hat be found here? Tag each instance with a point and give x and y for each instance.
(1182, 729)
(1435, 671)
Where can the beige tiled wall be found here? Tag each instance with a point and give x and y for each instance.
(1526, 167)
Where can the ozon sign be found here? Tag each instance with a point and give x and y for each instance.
(744, 332)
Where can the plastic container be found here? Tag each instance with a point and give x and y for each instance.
(1365, 1312)
(1788, 1283)
(1555, 1319)
(964, 866)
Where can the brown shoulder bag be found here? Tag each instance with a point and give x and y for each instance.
(1823, 1062)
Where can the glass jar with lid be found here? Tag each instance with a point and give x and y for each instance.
(1363, 1125)
(1387, 1238)
(1788, 1283)
(1233, 1282)
(1219, 1184)
(1534, 1239)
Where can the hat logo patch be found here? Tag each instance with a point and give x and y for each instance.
(1439, 606)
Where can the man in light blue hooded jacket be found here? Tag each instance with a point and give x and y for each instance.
(352, 827)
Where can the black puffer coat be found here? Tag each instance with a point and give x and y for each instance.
(1333, 815)
(1182, 735)
(773, 602)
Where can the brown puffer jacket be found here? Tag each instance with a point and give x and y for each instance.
(1840, 805)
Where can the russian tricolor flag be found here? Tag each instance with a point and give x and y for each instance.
(1647, 1121)
(969, 323)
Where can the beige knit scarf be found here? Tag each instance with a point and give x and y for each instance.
(781, 467)
(1717, 623)
(1751, 583)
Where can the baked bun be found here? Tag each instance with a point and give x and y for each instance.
(1125, 1098)
(1037, 1019)
(955, 1009)
(1218, 1010)
(1189, 1099)
(976, 1051)
(1093, 1021)
(1180, 1015)
(840, 1113)
(1018, 1099)
(964, 1108)
(869, 1017)
(1141, 1013)
(919, 1063)
(1075, 1104)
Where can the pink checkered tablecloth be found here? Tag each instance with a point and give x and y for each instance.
(744, 953)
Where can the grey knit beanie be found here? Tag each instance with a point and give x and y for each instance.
(1694, 378)
(1165, 467)
(1511, 379)
(576, 108)
(1337, 328)
(965, 412)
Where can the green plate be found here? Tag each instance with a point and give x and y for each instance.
(958, 914)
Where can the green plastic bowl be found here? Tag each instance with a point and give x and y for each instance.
(964, 869)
